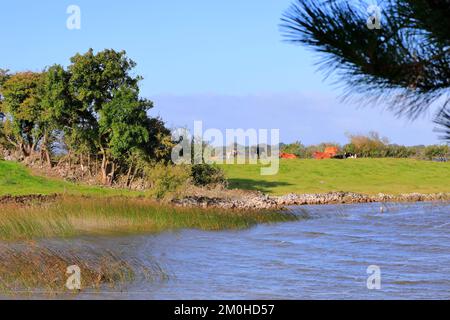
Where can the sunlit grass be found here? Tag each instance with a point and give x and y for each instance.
(16, 179)
(74, 216)
(87, 211)
(31, 269)
(368, 176)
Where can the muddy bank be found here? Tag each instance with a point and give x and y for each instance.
(28, 199)
(262, 201)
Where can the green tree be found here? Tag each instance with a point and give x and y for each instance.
(293, 148)
(64, 113)
(23, 126)
(437, 151)
(122, 129)
(109, 97)
(95, 78)
(156, 150)
(4, 75)
(159, 147)
(93, 108)
(371, 145)
(405, 63)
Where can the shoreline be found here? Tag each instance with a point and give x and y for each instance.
(249, 200)
(260, 201)
(71, 216)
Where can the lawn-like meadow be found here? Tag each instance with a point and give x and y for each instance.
(17, 180)
(369, 176)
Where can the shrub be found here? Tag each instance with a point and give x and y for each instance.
(371, 145)
(309, 151)
(166, 180)
(396, 151)
(207, 174)
(294, 148)
(437, 151)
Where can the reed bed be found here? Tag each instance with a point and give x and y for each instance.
(35, 269)
(26, 266)
(77, 216)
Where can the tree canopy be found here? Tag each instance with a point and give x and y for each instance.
(92, 108)
(21, 101)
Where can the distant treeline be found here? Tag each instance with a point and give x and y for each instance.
(371, 145)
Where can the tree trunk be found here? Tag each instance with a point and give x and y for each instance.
(89, 164)
(130, 169)
(82, 165)
(46, 151)
(133, 176)
(128, 176)
(112, 173)
(25, 150)
(104, 169)
(48, 158)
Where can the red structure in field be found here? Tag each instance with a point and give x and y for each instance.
(288, 156)
(329, 153)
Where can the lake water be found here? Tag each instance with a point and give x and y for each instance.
(324, 255)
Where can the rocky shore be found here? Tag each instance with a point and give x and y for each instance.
(27, 199)
(258, 201)
(246, 200)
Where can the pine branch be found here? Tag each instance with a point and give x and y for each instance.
(405, 64)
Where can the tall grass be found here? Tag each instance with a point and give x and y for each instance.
(25, 267)
(75, 216)
(30, 268)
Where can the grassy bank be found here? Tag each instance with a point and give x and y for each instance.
(86, 210)
(16, 179)
(75, 216)
(26, 267)
(368, 176)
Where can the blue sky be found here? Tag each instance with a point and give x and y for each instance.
(222, 62)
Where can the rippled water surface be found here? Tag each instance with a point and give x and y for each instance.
(325, 255)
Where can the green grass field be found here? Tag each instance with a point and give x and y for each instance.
(369, 176)
(16, 179)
